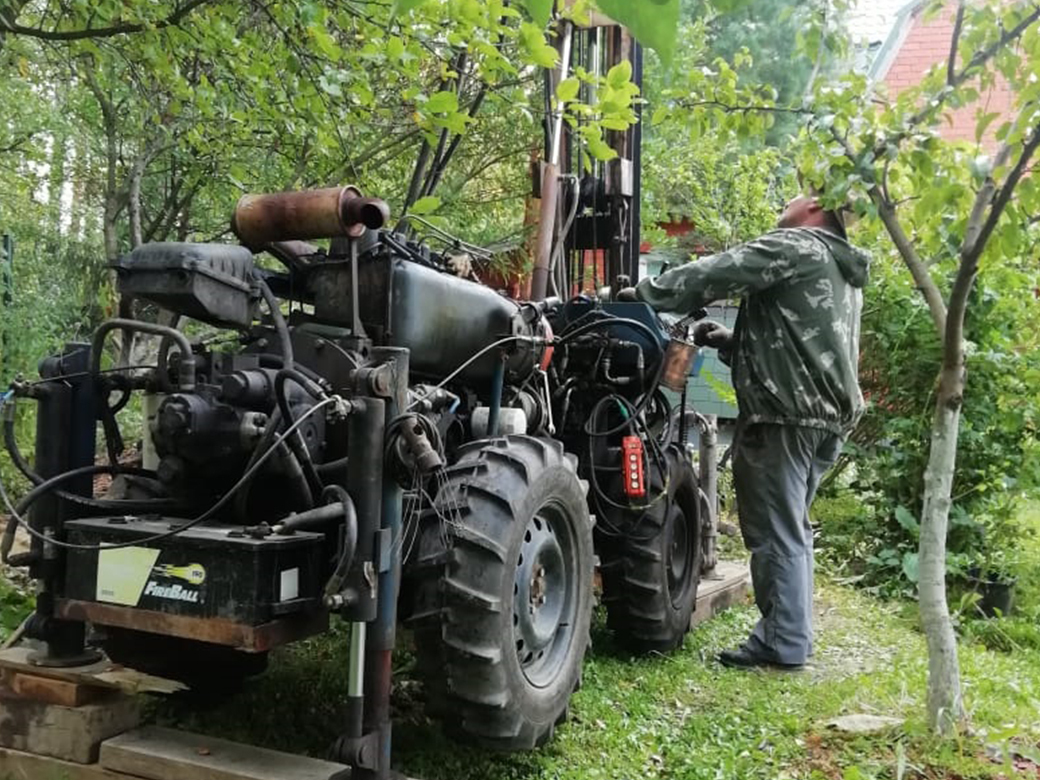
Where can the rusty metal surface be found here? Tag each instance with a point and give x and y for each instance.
(298, 216)
(678, 360)
(218, 631)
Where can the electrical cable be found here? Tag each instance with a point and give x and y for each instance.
(608, 321)
(470, 361)
(50, 484)
(81, 374)
(473, 248)
(297, 477)
(27, 471)
(636, 410)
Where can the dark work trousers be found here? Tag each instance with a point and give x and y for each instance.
(776, 471)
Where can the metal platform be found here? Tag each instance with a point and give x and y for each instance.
(729, 584)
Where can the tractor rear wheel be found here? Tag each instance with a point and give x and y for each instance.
(503, 592)
(650, 561)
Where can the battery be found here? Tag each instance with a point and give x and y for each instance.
(209, 571)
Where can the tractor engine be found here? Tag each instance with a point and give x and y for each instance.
(362, 433)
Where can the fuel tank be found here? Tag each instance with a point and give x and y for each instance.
(442, 319)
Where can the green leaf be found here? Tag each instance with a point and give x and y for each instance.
(567, 90)
(654, 23)
(620, 74)
(540, 10)
(910, 566)
(394, 48)
(660, 115)
(442, 103)
(906, 519)
(404, 6)
(425, 205)
(983, 124)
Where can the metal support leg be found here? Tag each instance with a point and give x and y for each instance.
(709, 436)
(382, 634)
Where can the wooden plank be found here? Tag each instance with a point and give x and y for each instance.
(68, 733)
(103, 674)
(17, 765)
(17, 659)
(51, 691)
(156, 753)
(729, 585)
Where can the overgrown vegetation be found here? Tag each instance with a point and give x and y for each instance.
(684, 716)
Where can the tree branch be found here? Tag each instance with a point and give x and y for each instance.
(745, 109)
(958, 25)
(918, 270)
(937, 102)
(7, 25)
(1003, 197)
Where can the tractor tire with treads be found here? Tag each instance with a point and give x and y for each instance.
(651, 571)
(502, 586)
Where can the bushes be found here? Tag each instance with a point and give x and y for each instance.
(869, 506)
(57, 298)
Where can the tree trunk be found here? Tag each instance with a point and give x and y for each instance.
(945, 704)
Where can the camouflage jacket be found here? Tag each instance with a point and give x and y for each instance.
(796, 342)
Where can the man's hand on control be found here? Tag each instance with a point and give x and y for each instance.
(712, 334)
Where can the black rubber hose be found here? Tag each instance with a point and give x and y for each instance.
(50, 484)
(296, 443)
(298, 480)
(607, 322)
(35, 494)
(270, 360)
(635, 410)
(316, 518)
(350, 538)
(280, 326)
(331, 468)
(128, 506)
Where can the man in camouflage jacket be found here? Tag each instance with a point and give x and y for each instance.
(794, 354)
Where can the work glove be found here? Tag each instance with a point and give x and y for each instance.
(712, 334)
(627, 295)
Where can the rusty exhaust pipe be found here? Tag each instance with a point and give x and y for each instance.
(298, 216)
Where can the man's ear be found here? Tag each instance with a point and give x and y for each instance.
(813, 207)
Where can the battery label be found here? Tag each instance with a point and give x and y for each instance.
(123, 572)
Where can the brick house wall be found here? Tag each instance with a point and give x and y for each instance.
(914, 45)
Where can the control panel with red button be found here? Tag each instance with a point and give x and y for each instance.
(632, 466)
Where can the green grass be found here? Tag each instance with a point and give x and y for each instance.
(14, 606)
(682, 716)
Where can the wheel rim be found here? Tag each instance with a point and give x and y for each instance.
(544, 595)
(681, 554)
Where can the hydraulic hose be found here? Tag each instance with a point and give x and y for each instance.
(186, 370)
(127, 506)
(296, 443)
(280, 326)
(47, 486)
(350, 537)
(50, 484)
(295, 472)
